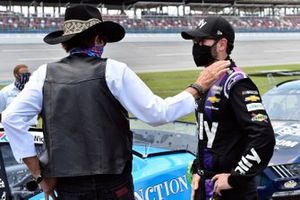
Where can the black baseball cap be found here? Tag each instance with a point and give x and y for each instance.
(211, 27)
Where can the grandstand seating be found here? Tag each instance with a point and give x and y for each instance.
(14, 22)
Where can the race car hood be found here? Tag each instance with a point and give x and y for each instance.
(287, 143)
(286, 127)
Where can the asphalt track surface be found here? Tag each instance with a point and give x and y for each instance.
(152, 56)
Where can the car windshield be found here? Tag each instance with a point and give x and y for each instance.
(283, 103)
(16, 174)
(169, 137)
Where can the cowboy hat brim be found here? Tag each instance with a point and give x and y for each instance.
(113, 32)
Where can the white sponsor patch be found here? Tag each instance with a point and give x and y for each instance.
(216, 89)
(247, 92)
(212, 107)
(254, 106)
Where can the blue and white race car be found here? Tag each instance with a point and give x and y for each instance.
(160, 162)
(281, 180)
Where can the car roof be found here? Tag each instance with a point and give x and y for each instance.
(289, 83)
(294, 83)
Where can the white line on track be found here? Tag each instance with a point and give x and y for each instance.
(173, 54)
(282, 50)
(26, 50)
(38, 59)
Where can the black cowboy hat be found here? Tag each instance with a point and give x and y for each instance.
(85, 19)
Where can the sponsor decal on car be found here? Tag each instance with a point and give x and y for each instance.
(291, 129)
(3, 137)
(255, 106)
(286, 143)
(213, 99)
(252, 98)
(290, 184)
(167, 188)
(259, 118)
(38, 138)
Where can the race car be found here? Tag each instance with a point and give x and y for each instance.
(281, 180)
(160, 162)
(15, 176)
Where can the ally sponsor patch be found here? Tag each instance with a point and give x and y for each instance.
(254, 106)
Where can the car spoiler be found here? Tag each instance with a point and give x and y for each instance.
(163, 153)
(282, 72)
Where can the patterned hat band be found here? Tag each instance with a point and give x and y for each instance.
(77, 26)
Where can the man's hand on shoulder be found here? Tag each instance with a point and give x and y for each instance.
(212, 73)
(208, 76)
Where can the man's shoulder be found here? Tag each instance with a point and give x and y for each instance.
(234, 76)
(9, 91)
(8, 88)
(114, 66)
(115, 63)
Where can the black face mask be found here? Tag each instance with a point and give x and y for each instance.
(21, 80)
(202, 54)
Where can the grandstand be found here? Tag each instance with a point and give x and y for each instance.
(154, 16)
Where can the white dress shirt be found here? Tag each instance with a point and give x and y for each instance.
(7, 95)
(123, 83)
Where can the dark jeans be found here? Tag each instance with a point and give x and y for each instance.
(96, 187)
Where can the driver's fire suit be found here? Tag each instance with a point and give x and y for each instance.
(235, 136)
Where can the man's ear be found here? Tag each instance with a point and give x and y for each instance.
(222, 44)
(16, 76)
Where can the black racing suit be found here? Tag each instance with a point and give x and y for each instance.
(235, 136)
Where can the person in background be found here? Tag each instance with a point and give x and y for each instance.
(236, 138)
(85, 100)
(10, 92)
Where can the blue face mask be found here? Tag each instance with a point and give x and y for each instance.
(21, 80)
